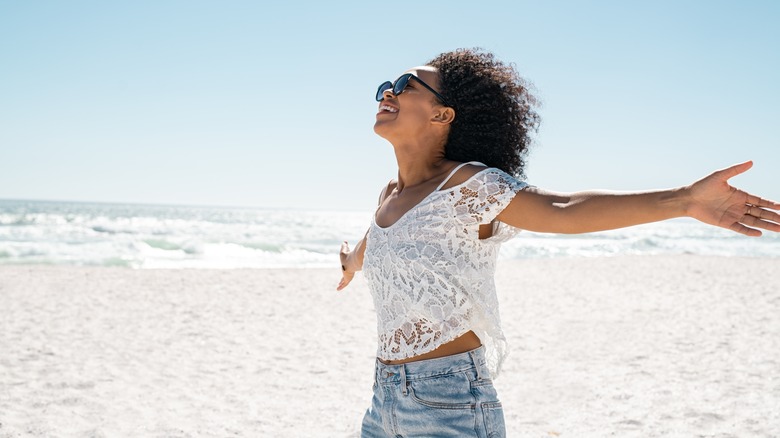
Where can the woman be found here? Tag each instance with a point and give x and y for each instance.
(460, 129)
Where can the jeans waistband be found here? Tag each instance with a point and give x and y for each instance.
(469, 360)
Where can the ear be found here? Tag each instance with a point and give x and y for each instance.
(444, 115)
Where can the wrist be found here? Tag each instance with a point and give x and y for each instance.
(682, 200)
(351, 264)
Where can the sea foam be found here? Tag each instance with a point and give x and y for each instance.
(154, 236)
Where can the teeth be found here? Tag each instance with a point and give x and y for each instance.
(388, 108)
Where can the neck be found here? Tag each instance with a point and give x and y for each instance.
(418, 165)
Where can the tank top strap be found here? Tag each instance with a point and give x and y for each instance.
(457, 168)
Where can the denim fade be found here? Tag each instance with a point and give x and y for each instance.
(450, 396)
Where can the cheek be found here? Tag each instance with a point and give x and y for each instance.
(414, 116)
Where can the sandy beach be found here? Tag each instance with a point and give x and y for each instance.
(653, 346)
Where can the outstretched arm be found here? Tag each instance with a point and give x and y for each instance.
(352, 261)
(711, 200)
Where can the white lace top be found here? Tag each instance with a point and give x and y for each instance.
(432, 277)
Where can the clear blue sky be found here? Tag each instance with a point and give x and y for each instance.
(270, 104)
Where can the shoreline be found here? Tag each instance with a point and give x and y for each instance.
(628, 345)
(550, 259)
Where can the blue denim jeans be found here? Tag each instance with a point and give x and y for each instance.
(451, 396)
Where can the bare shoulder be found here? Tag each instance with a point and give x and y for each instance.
(386, 190)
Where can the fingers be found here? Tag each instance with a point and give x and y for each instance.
(760, 202)
(345, 280)
(759, 213)
(754, 218)
(762, 213)
(741, 229)
(344, 253)
(760, 218)
(766, 225)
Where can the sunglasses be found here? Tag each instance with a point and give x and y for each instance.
(400, 84)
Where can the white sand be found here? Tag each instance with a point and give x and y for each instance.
(627, 347)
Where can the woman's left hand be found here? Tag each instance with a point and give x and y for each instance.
(715, 202)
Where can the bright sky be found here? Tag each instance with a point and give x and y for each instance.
(245, 104)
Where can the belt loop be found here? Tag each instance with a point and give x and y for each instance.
(403, 380)
(477, 364)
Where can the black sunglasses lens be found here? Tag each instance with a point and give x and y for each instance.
(400, 84)
(381, 90)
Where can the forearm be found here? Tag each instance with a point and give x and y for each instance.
(586, 212)
(589, 211)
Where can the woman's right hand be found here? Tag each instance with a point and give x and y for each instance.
(347, 266)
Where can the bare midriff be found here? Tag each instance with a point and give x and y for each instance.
(461, 344)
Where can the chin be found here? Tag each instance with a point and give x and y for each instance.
(381, 129)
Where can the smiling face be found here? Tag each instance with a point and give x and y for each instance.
(415, 113)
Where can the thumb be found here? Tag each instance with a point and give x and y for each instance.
(732, 171)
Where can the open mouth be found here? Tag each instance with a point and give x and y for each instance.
(387, 108)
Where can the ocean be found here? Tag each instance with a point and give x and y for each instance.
(167, 236)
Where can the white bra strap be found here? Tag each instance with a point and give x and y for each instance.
(457, 168)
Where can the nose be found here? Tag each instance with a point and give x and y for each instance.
(388, 94)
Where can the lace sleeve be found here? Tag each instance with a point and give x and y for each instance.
(484, 196)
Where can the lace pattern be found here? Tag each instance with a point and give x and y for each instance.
(431, 276)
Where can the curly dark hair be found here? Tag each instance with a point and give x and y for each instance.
(494, 110)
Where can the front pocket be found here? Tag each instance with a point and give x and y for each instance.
(451, 391)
